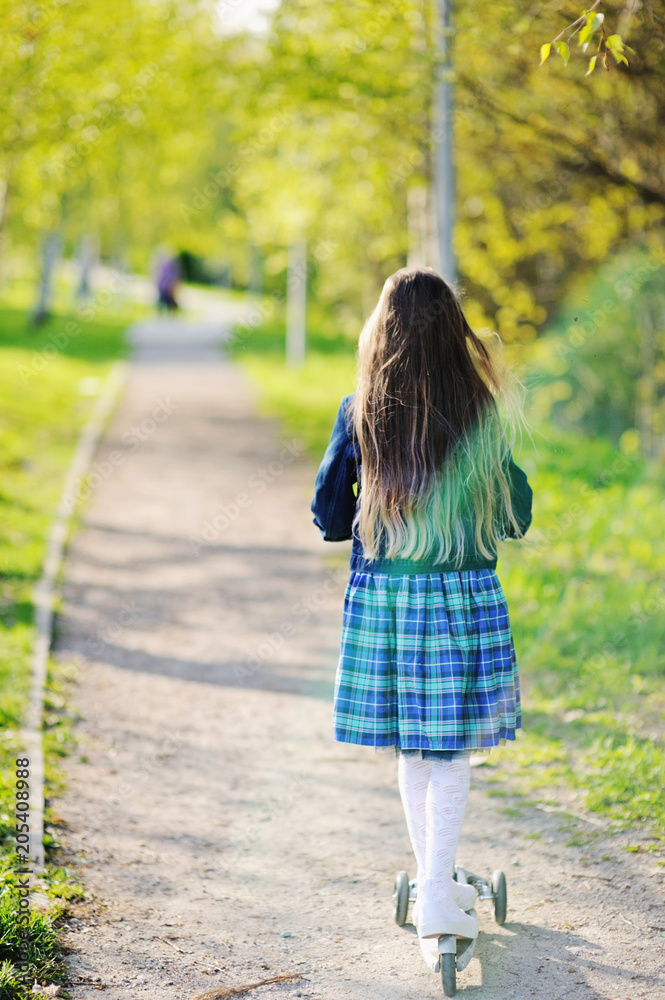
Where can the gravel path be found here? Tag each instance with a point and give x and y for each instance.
(223, 837)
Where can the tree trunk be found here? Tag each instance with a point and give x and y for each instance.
(88, 256)
(255, 271)
(296, 303)
(49, 258)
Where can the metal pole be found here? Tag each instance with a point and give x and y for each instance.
(444, 168)
(296, 303)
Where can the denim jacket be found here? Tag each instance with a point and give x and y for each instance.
(334, 506)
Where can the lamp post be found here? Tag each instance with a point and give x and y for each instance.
(444, 167)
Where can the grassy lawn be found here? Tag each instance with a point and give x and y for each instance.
(585, 591)
(49, 379)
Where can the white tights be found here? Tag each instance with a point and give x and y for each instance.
(434, 794)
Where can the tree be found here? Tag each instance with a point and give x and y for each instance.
(107, 113)
(150, 125)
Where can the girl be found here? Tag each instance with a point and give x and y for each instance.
(419, 473)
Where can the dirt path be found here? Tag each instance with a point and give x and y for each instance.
(221, 833)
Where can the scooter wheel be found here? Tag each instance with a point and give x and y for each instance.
(401, 898)
(448, 974)
(500, 891)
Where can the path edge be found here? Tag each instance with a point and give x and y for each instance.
(44, 597)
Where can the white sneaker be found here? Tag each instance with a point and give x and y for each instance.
(451, 921)
(464, 895)
(442, 915)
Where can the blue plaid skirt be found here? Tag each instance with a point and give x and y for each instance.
(427, 663)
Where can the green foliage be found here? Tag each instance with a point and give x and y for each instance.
(587, 601)
(547, 186)
(563, 50)
(343, 112)
(104, 107)
(601, 368)
(624, 780)
(48, 381)
(39, 426)
(63, 335)
(592, 21)
(153, 124)
(295, 394)
(36, 940)
(549, 182)
(616, 46)
(323, 337)
(585, 27)
(302, 398)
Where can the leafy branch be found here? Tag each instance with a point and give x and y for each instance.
(588, 25)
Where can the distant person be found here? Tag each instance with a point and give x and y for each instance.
(168, 276)
(419, 473)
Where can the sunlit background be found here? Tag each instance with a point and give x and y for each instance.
(232, 131)
(244, 137)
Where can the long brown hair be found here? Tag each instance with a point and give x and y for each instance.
(433, 448)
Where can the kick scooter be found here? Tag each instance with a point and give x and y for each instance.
(453, 954)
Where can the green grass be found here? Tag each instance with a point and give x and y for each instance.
(585, 590)
(49, 378)
(40, 945)
(587, 602)
(302, 398)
